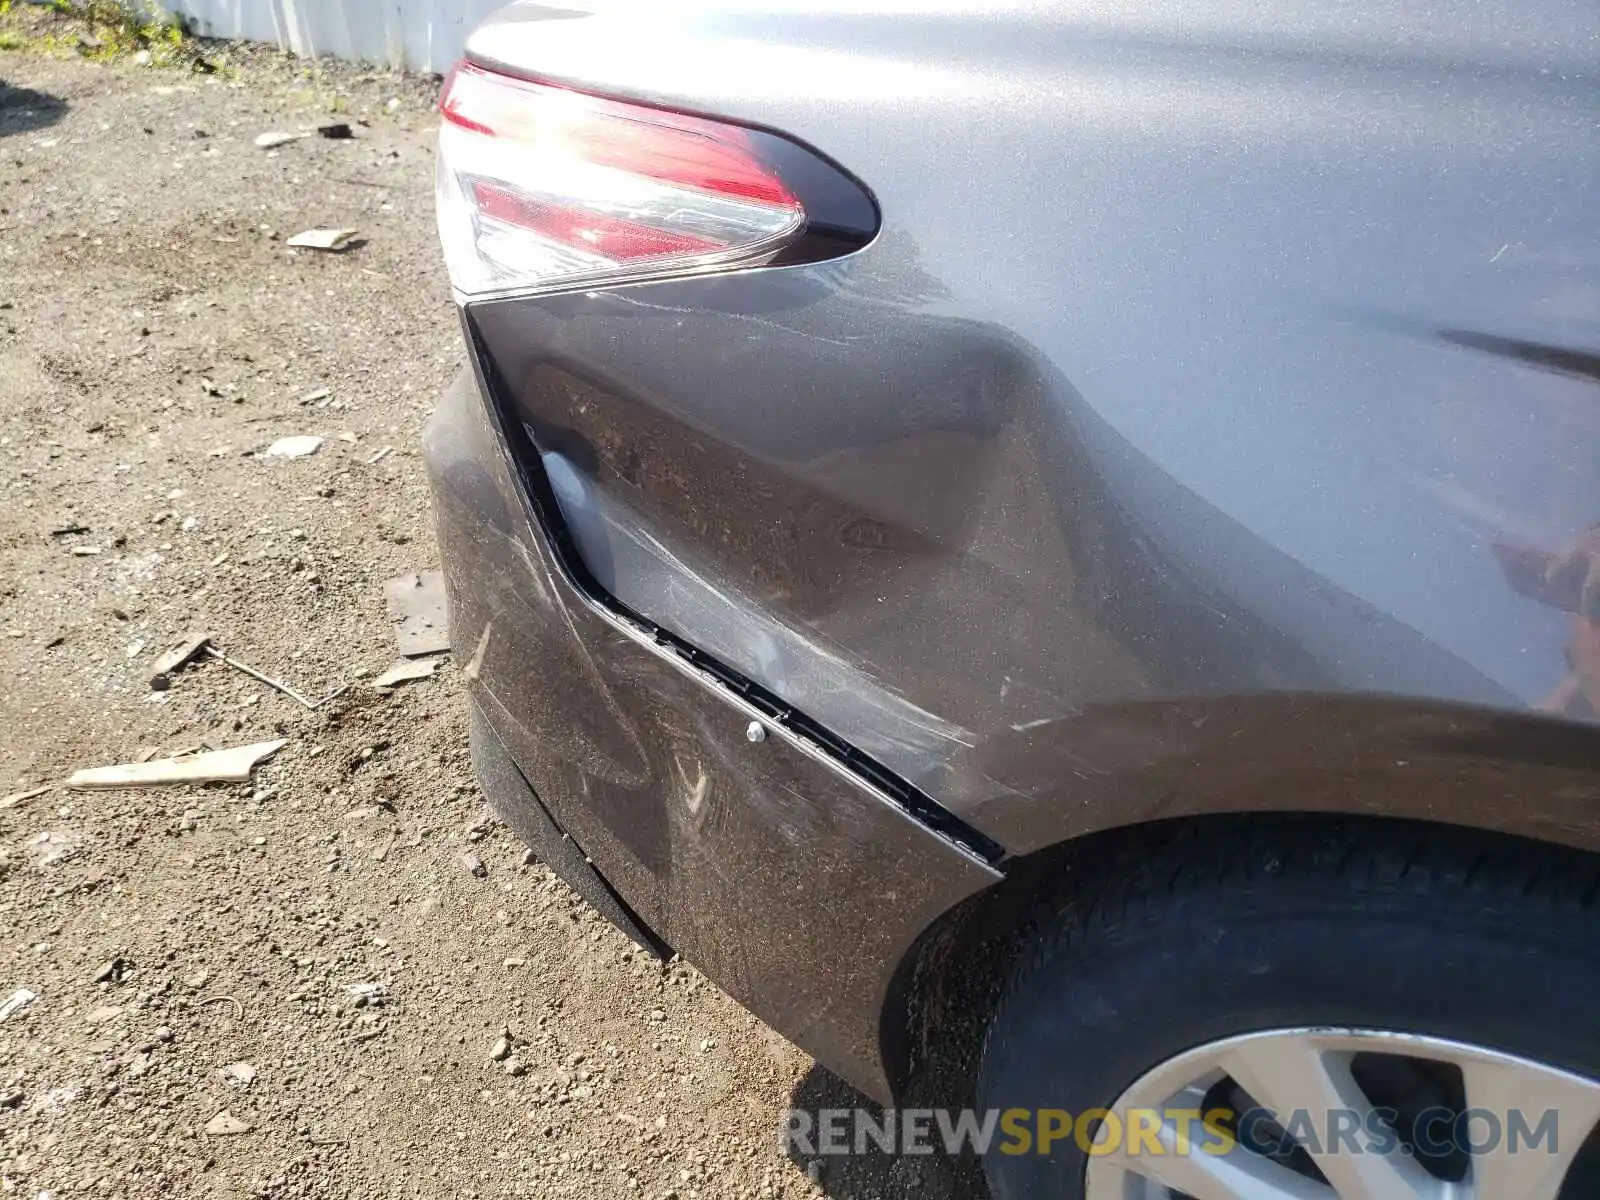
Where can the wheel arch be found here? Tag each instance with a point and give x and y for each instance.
(1503, 776)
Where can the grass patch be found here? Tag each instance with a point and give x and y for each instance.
(101, 30)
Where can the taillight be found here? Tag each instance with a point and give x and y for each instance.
(541, 186)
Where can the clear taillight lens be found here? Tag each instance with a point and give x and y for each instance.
(543, 187)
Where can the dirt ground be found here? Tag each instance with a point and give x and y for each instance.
(321, 926)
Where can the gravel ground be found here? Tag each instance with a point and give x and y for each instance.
(291, 988)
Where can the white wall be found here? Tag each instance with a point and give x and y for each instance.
(425, 35)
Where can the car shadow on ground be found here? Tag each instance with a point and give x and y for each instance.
(23, 110)
(875, 1175)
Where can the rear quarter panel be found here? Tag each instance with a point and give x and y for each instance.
(1210, 362)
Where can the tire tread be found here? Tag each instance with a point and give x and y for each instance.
(1484, 872)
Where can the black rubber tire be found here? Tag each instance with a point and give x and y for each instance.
(1385, 926)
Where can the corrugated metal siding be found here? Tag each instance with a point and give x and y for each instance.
(425, 35)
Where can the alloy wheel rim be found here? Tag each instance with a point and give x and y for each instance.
(1334, 1114)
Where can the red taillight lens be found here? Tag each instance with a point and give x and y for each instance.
(540, 186)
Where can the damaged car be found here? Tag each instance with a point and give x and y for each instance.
(1068, 527)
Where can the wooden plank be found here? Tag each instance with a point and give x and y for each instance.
(234, 765)
(405, 671)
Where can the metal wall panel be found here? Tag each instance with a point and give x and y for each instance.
(425, 35)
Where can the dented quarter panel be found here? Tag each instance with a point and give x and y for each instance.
(1210, 354)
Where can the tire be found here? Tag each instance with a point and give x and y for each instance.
(1289, 925)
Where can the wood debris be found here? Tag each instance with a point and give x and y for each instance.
(175, 659)
(405, 671)
(334, 240)
(22, 797)
(296, 446)
(234, 765)
(16, 1002)
(274, 138)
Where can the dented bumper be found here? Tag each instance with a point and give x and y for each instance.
(793, 883)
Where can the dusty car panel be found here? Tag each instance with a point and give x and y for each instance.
(1206, 428)
(1268, 429)
(647, 766)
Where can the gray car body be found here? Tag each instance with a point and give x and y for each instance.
(1176, 448)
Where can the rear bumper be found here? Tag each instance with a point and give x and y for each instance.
(795, 885)
(510, 798)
